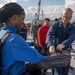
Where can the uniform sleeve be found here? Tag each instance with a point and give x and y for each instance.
(71, 38)
(22, 52)
(50, 35)
(40, 37)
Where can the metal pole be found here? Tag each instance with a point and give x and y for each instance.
(35, 16)
(39, 3)
(42, 14)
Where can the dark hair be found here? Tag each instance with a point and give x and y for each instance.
(74, 22)
(8, 10)
(47, 19)
(56, 19)
(35, 22)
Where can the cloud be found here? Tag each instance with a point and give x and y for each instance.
(30, 13)
(51, 12)
(24, 0)
(2, 1)
(7, 1)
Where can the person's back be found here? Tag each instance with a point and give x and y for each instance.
(16, 52)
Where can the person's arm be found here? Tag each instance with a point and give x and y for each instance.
(71, 38)
(22, 52)
(40, 37)
(50, 37)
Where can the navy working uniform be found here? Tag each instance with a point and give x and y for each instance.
(34, 31)
(15, 52)
(57, 34)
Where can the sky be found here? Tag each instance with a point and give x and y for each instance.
(51, 8)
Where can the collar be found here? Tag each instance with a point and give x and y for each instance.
(67, 26)
(10, 29)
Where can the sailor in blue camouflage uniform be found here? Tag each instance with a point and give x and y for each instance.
(61, 35)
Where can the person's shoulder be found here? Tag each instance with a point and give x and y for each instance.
(46, 27)
(39, 25)
(71, 25)
(40, 29)
(56, 24)
(15, 37)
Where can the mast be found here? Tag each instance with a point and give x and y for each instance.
(38, 13)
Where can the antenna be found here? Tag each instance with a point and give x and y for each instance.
(39, 3)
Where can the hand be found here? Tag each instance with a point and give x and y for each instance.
(52, 50)
(36, 45)
(60, 47)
